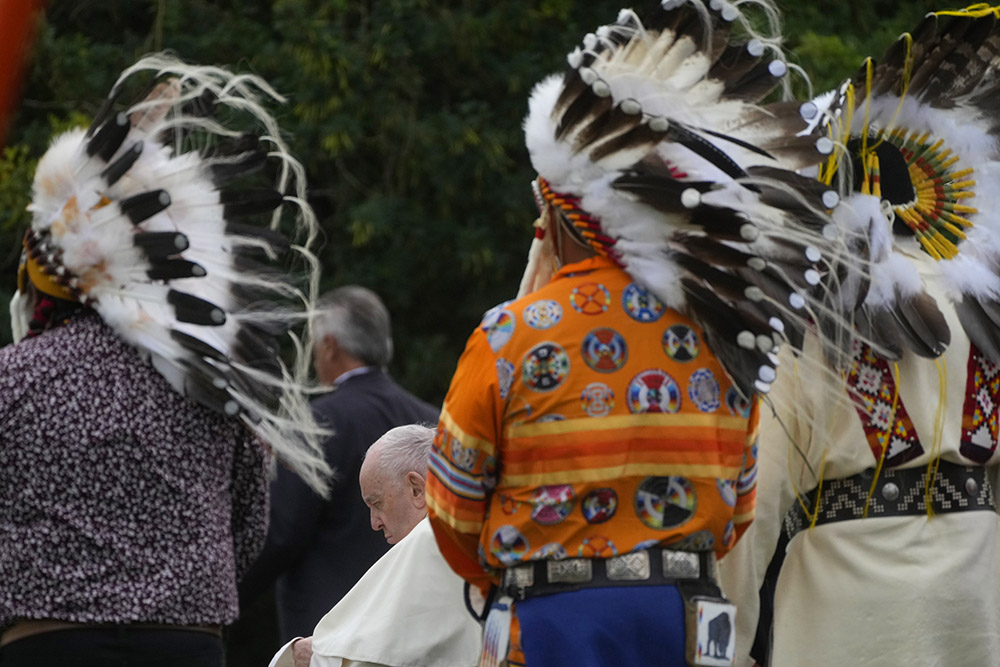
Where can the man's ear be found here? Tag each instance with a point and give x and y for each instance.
(330, 347)
(417, 486)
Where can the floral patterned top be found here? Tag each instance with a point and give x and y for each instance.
(120, 500)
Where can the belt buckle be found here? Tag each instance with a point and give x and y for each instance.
(569, 571)
(632, 566)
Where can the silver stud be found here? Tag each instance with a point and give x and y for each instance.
(972, 487)
(890, 491)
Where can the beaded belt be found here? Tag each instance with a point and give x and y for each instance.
(899, 492)
(649, 567)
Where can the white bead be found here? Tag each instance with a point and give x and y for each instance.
(824, 145)
(631, 107)
(690, 198)
(746, 340)
(659, 124)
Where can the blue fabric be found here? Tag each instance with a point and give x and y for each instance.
(636, 626)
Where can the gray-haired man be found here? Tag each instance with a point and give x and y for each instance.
(318, 549)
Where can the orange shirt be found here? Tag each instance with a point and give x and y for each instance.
(586, 419)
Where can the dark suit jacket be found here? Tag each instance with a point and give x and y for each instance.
(318, 549)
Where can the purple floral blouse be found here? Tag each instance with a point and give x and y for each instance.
(120, 500)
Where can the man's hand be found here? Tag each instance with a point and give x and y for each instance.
(302, 651)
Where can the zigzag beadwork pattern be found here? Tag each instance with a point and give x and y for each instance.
(871, 384)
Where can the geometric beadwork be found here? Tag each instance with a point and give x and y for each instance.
(979, 418)
(955, 488)
(873, 387)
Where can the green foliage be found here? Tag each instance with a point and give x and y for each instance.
(407, 115)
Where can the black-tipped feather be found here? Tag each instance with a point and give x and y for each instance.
(159, 245)
(754, 85)
(711, 250)
(640, 138)
(145, 205)
(114, 171)
(610, 123)
(174, 269)
(106, 142)
(585, 106)
(198, 346)
(104, 112)
(249, 202)
(227, 170)
(733, 64)
(195, 310)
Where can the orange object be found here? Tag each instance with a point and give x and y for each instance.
(587, 420)
(18, 20)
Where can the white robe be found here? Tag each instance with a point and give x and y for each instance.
(408, 610)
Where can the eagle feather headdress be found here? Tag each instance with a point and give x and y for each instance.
(919, 156)
(655, 146)
(164, 218)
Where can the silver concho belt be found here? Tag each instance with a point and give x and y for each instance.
(649, 567)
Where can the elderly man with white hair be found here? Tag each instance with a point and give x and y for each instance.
(409, 608)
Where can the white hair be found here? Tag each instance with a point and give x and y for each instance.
(404, 449)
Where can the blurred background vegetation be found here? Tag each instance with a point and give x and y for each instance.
(407, 115)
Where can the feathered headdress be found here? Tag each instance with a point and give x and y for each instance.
(654, 146)
(917, 161)
(148, 218)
